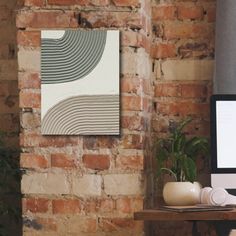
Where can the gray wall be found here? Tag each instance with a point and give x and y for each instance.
(225, 69)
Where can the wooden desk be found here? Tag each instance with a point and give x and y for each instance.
(223, 221)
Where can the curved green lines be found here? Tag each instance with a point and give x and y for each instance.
(71, 57)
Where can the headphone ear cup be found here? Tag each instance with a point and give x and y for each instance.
(218, 197)
(204, 195)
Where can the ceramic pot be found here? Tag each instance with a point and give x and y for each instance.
(181, 193)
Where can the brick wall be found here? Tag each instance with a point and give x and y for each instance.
(85, 185)
(183, 53)
(9, 108)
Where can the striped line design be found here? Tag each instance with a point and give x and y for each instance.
(71, 57)
(87, 115)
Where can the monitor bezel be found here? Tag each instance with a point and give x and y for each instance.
(214, 99)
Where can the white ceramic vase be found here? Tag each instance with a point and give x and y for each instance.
(181, 193)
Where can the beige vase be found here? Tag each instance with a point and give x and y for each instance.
(181, 193)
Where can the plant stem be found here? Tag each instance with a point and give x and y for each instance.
(172, 173)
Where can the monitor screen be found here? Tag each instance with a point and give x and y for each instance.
(223, 133)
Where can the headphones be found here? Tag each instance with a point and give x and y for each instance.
(216, 197)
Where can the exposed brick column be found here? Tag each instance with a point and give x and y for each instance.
(82, 185)
(183, 53)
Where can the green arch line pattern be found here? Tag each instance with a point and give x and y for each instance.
(71, 57)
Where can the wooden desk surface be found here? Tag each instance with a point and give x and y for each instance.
(162, 215)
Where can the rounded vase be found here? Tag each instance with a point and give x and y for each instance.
(181, 193)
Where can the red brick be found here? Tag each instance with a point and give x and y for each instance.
(130, 85)
(133, 122)
(162, 50)
(193, 90)
(36, 140)
(97, 19)
(100, 205)
(28, 38)
(48, 224)
(131, 103)
(123, 205)
(37, 3)
(31, 160)
(89, 225)
(165, 12)
(126, 3)
(52, 19)
(134, 162)
(132, 141)
(131, 39)
(95, 143)
(167, 90)
(28, 80)
(68, 2)
(183, 108)
(96, 162)
(62, 160)
(36, 205)
(187, 30)
(30, 99)
(99, 2)
(193, 12)
(66, 206)
(211, 14)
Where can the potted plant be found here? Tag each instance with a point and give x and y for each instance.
(177, 156)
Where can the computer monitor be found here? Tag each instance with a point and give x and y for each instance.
(223, 141)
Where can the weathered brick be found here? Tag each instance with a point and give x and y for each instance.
(131, 103)
(36, 140)
(5, 13)
(183, 109)
(167, 90)
(96, 162)
(133, 122)
(95, 143)
(130, 85)
(87, 185)
(68, 2)
(132, 141)
(188, 70)
(37, 3)
(190, 12)
(131, 39)
(187, 30)
(30, 120)
(9, 105)
(66, 206)
(193, 90)
(133, 162)
(49, 19)
(25, 62)
(211, 14)
(100, 205)
(122, 184)
(161, 50)
(45, 183)
(47, 224)
(36, 205)
(28, 80)
(126, 3)
(62, 160)
(28, 38)
(110, 19)
(30, 99)
(31, 160)
(164, 12)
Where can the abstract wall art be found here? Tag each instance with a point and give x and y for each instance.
(80, 82)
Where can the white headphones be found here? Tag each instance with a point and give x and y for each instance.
(216, 197)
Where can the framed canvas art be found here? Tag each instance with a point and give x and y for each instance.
(80, 82)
